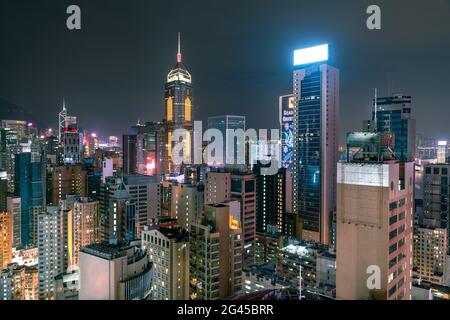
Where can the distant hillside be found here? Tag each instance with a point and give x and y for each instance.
(9, 111)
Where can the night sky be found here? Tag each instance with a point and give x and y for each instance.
(113, 71)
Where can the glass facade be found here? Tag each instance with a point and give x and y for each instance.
(29, 187)
(309, 151)
(394, 115)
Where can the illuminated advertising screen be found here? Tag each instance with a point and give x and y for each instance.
(287, 105)
(311, 55)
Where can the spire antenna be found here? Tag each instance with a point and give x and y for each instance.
(179, 48)
(64, 103)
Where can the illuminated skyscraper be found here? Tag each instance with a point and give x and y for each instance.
(179, 108)
(29, 187)
(62, 120)
(316, 114)
(393, 114)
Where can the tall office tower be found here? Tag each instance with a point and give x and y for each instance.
(374, 221)
(67, 180)
(10, 146)
(62, 121)
(316, 114)
(19, 283)
(430, 254)
(442, 152)
(286, 107)
(243, 189)
(6, 239)
(86, 225)
(393, 114)
(270, 200)
(187, 203)
(224, 123)
(51, 250)
(436, 197)
(217, 187)
(71, 141)
(216, 253)
(129, 148)
(144, 193)
(179, 108)
(110, 271)
(151, 148)
(13, 206)
(168, 250)
(29, 187)
(117, 213)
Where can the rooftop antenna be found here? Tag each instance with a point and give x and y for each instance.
(64, 103)
(179, 48)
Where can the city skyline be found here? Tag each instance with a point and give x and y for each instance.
(233, 72)
(179, 151)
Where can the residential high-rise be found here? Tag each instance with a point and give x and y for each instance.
(179, 109)
(6, 239)
(374, 221)
(129, 148)
(86, 226)
(115, 271)
(216, 253)
(243, 189)
(51, 250)
(436, 197)
(117, 212)
(168, 250)
(217, 187)
(270, 200)
(316, 114)
(187, 202)
(430, 254)
(224, 123)
(68, 180)
(144, 193)
(19, 283)
(298, 254)
(13, 206)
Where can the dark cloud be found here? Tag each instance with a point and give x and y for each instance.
(112, 72)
